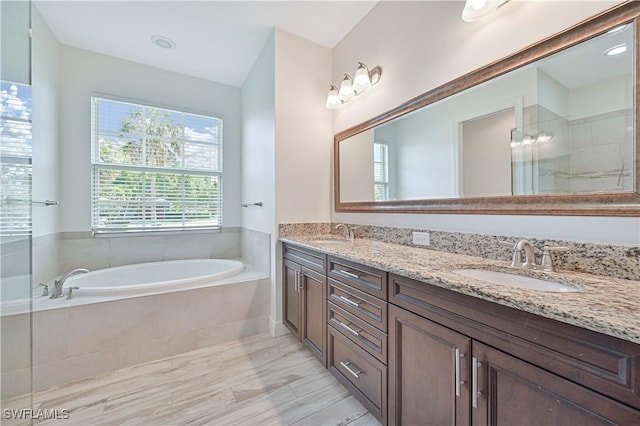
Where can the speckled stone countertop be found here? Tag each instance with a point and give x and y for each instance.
(607, 305)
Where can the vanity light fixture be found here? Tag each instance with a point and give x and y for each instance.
(544, 137)
(351, 87)
(615, 50)
(346, 91)
(163, 42)
(333, 101)
(475, 10)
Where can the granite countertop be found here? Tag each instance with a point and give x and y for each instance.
(607, 305)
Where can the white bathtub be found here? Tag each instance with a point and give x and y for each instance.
(143, 278)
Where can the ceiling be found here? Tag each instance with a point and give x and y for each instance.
(215, 40)
(585, 64)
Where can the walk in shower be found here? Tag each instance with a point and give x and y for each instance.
(15, 210)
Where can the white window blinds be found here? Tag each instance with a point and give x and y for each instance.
(380, 171)
(154, 168)
(15, 159)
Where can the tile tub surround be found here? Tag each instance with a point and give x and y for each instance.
(597, 259)
(605, 305)
(79, 341)
(83, 250)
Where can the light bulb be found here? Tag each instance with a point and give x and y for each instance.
(333, 101)
(478, 4)
(362, 80)
(346, 89)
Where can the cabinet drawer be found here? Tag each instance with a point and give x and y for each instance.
(364, 278)
(358, 303)
(359, 332)
(309, 258)
(362, 374)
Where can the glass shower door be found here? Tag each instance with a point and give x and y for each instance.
(15, 213)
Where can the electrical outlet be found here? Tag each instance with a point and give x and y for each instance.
(421, 238)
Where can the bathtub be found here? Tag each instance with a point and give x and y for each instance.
(144, 278)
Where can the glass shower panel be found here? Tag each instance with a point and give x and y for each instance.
(15, 213)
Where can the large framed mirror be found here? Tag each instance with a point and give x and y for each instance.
(548, 130)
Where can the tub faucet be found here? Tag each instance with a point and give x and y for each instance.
(57, 285)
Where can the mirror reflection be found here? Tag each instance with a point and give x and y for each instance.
(561, 125)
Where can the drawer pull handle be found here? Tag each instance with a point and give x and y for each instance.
(357, 333)
(349, 301)
(475, 393)
(349, 274)
(346, 366)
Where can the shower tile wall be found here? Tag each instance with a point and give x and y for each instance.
(602, 145)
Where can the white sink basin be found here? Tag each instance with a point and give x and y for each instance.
(516, 281)
(330, 240)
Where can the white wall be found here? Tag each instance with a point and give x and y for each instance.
(83, 73)
(421, 45)
(303, 141)
(45, 107)
(258, 142)
(357, 179)
(303, 130)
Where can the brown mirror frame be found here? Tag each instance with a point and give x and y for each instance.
(593, 204)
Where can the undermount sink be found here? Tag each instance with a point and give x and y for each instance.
(330, 240)
(517, 281)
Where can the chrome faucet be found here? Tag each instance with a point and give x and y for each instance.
(57, 285)
(347, 231)
(529, 257)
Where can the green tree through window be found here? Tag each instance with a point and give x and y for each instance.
(154, 168)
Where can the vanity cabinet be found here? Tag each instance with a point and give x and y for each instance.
(304, 298)
(357, 331)
(418, 354)
(438, 376)
(429, 369)
(456, 359)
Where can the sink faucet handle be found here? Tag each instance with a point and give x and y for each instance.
(547, 260)
(508, 243)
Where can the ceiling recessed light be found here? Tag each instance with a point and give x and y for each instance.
(162, 41)
(615, 50)
(618, 29)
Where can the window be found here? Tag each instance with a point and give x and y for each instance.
(380, 171)
(15, 155)
(154, 168)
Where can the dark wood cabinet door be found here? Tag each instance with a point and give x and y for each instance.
(514, 392)
(291, 315)
(423, 372)
(314, 312)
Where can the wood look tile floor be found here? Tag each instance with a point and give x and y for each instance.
(255, 381)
